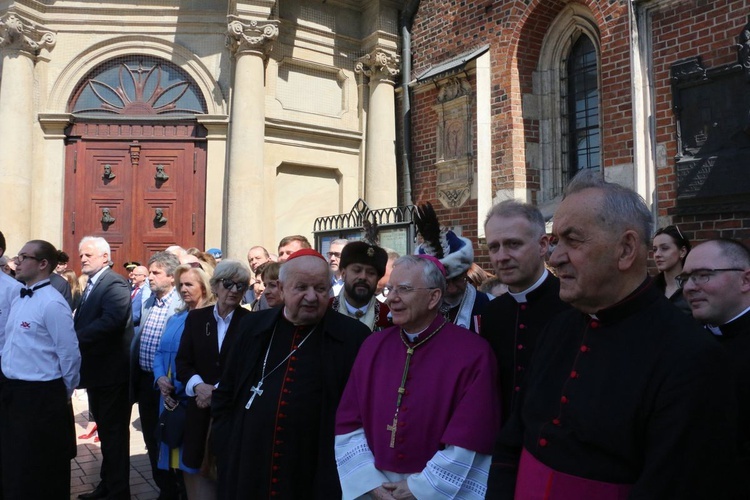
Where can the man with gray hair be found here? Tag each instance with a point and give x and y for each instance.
(104, 328)
(162, 305)
(436, 440)
(621, 399)
(716, 282)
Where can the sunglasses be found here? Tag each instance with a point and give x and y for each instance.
(229, 284)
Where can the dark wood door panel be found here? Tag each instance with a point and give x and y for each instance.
(111, 192)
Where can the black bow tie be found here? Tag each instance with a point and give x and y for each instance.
(29, 292)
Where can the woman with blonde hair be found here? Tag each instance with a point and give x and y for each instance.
(193, 283)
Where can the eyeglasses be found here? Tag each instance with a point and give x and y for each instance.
(195, 265)
(22, 257)
(701, 276)
(334, 254)
(229, 284)
(398, 290)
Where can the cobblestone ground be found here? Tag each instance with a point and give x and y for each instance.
(84, 469)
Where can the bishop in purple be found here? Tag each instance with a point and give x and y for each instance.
(420, 411)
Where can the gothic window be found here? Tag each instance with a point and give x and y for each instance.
(566, 84)
(581, 84)
(138, 86)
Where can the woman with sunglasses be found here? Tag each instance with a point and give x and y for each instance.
(670, 248)
(207, 338)
(192, 282)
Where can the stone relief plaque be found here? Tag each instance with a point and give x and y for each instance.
(455, 161)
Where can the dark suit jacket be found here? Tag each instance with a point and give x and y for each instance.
(199, 355)
(342, 337)
(104, 327)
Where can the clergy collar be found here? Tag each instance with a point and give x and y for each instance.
(433, 324)
(735, 326)
(520, 297)
(638, 299)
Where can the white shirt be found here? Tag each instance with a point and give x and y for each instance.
(520, 297)
(9, 291)
(41, 342)
(222, 325)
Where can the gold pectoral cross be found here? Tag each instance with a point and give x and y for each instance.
(392, 429)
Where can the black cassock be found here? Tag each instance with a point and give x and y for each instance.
(637, 395)
(282, 446)
(735, 337)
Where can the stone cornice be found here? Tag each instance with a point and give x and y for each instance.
(379, 65)
(23, 35)
(254, 36)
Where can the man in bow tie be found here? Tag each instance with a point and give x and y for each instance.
(41, 361)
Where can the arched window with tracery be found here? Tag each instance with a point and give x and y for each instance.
(567, 87)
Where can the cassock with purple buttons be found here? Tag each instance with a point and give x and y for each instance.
(635, 401)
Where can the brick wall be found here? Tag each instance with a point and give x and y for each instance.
(708, 29)
(515, 31)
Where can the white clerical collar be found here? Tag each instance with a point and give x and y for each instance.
(414, 335)
(353, 310)
(716, 330)
(520, 297)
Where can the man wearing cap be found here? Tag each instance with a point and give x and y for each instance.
(362, 265)
(421, 409)
(215, 253)
(462, 302)
(274, 409)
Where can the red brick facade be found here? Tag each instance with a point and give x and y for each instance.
(515, 30)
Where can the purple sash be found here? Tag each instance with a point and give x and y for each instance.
(537, 481)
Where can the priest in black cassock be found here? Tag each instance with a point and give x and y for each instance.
(518, 246)
(275, 407)
(626, 397)
(716, 284)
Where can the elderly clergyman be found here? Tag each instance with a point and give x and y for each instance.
(421, 410)
(275, 407)
(626, 396)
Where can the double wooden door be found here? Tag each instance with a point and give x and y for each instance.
(142, 188)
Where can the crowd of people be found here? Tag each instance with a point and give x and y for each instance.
(568, 373)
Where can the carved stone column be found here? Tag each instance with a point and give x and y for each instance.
(250, 43)
(21, 41)
(380, 146)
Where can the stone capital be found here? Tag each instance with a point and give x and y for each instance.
(379, 65)
(23, 35)
(257, 37)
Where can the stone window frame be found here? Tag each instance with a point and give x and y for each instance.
(549, 80)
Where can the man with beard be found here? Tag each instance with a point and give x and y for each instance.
(275, 407)
(362, 265)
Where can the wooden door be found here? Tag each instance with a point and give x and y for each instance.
(140, 195)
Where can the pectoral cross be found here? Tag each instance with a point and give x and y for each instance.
(392, 429)
(257, 391)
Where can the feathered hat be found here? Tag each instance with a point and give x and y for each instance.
(453, 251)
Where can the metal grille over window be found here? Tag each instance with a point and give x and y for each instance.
(583, 108)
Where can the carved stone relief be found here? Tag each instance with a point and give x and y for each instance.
(252, 36)
(21, 34)
(455, 159)
(379, 65)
